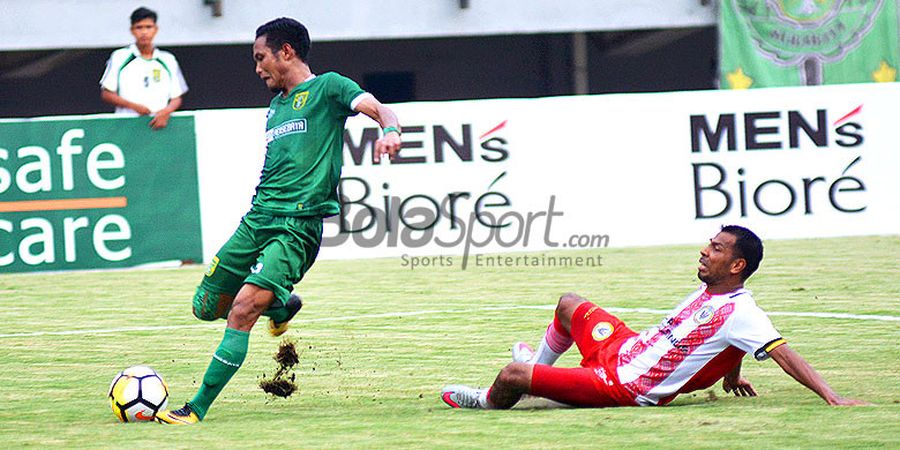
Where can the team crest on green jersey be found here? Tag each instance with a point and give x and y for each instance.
(300, 100)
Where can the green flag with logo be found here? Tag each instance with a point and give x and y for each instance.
(767, 43)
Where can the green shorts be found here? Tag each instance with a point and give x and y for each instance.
(272, 252)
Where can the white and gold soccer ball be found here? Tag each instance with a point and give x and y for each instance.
(137, 393)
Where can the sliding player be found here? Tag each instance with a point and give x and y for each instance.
(702, 341)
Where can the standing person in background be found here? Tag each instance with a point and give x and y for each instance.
(141, 79)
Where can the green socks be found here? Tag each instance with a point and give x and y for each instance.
(226, 361)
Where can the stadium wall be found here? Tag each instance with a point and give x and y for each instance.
(104, 23)
(483, 176)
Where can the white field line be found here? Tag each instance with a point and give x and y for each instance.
(613, 309)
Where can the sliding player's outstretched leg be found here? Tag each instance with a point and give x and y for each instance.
(459, 396)
(510, 385)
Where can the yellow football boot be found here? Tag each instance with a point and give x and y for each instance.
(293, 305)
(183, 416)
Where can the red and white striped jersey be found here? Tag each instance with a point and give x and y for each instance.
(695, 346)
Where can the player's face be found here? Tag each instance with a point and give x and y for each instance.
(268, 65)
(717, 259)
(144, 31)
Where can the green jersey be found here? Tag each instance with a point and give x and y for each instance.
(304, 147)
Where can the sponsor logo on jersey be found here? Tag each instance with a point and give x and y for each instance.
(601, 373)
(602, 331)
(670, 337)
(257, 268)
(300, 100)
(704, 315)
(285, 129)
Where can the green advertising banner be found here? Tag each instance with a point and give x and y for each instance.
(97, 193)
(768, 43)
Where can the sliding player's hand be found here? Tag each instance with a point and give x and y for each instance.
(841, 401)
(741, 387)
(389, 145)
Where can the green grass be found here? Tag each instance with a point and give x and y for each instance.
(373, 382)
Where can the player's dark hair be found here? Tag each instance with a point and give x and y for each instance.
(748, 246)
(141, 14)
(284, 30)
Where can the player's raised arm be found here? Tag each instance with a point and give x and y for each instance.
(389, 144)
(794, 365)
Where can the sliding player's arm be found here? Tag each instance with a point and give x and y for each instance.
(389, 144)
(794, 365)
(734, 382)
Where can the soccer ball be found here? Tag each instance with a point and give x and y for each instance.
(137, 393)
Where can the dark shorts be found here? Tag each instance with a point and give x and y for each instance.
(272, 252)
(598, 335)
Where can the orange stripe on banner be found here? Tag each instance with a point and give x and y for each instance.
(57, 205)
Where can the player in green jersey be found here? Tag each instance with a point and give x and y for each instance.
(278, 240)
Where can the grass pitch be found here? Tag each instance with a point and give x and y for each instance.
(377, 342)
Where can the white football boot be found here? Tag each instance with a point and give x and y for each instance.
(459, 396)
(522, 352)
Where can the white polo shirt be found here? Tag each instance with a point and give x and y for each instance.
(149, 82)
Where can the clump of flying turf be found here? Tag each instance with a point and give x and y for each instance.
(281, 384)
(287, 355)
(282, 387)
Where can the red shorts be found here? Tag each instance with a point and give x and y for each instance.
(598, 335)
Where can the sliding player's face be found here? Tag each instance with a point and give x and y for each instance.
(268, 65)
(717, 259)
